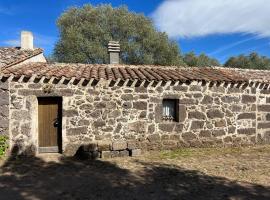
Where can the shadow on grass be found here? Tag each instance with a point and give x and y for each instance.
(32, 178)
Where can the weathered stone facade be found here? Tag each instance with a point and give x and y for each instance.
(4, 108)
(120, 118)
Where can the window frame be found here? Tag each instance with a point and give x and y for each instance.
(176, 110)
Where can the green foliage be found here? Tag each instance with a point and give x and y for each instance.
(251, 61)
(85, 32)
(3, 145)
(199, 61)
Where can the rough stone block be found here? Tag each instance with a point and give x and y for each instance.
(166, 127)
(124, 153)
(187, 101)
(247, 116)
(231, 129)
(169, 143)
(143, 115)
(217, 89)
(265, 91)
(263, 125)
(4, 100)
(114, 114)
(266, 137)
(71, 149)
(264, 108)
(20, 115)
(182, 113)
(120, 145)
(215, 113)
(65, 92)
(205, 133)
(246, 131)
(140, 105)
(197, 95)
(197, 125)
(106, 154)
(25, 129)
(187, 136)
(218, 133)
(181, 88)
(86, 107)
(233, 90)
(4, 122)
(127, 97)
(230, 99)
(248, 99)
(140, 89)
(77, 131)
(70, 113)
(227, 139)
(153, 137)
(137, 127)
(236, 108)
(151, 128)
(195, 88)
(207, 100)
(196, 115)
(133, 145)
(90, 147)
(83, 122)
(220, 123)
(104, 146)
(100, 105)
(99, 123)
(127, 105)
(115, 154)
(136, 152)
(178, 128)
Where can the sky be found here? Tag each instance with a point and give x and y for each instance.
(220, 28)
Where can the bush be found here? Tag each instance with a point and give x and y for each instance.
(3, 145)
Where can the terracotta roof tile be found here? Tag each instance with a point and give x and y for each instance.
(129, 72)
(14, 55)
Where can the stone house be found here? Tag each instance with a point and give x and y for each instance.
(118, 110)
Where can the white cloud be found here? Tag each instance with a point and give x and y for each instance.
(14, 43)
(195, 18)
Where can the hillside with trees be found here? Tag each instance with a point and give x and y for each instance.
(251, 61)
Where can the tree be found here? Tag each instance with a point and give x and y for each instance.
(251, 61)
(199, 61)
(85, 32)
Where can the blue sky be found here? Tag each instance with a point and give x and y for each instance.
(218, 28)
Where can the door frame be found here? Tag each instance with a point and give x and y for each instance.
(59, 130)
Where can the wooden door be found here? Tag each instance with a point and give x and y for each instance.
(49, 124)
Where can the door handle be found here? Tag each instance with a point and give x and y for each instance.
(56, 123)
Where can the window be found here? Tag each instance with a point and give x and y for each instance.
(170, 109)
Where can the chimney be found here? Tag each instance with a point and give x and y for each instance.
(27, 40)
(114, 52)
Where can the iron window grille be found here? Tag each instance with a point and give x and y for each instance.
(170, 110)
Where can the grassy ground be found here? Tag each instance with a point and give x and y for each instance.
(246, 164)
(222, 173)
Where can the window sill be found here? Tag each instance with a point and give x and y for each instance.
(169, 119)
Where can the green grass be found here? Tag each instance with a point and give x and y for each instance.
(204, 152)
(3, 145)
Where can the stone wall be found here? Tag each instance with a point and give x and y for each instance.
(119, 118)
(4, 108)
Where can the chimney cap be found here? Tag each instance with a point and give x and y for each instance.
(27, 40)
(113, 46)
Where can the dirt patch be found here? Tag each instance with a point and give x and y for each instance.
(182, 174)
